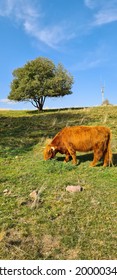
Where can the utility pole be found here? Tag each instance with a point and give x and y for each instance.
(102, 92)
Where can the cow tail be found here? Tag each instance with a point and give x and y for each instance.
(109, 151)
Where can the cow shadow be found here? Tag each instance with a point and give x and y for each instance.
(115, 159)
(88, 157)
(80, 158)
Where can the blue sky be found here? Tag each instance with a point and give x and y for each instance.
(80, 34)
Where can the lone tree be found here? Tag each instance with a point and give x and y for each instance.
(38, 79)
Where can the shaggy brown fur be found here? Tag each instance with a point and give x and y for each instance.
(82, 139)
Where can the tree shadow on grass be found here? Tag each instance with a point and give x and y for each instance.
(21, 133)
(54, 110)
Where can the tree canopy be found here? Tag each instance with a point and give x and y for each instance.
(38, 79)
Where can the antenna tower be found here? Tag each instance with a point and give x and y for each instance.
(102, 92)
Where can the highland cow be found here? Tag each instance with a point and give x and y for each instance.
(82, 139)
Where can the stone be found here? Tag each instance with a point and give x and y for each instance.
(74, 188)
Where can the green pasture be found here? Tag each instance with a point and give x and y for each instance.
(57, 224)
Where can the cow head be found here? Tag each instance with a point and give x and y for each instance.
(49, 152)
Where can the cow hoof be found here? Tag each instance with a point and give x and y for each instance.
(76, 162)
(92, 164)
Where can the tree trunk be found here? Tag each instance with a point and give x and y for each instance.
(41, 101)
(40, 107)
(38, 103)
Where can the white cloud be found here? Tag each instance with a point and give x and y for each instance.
(25, 13)
(103, 11)
(7, 101)
(20, 9)
(90, 3)
(86, 64)
(105, 16)
(6, 7)
(51, 36)
(92, 59)
(89, 64)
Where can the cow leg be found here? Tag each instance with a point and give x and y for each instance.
(106, 158)
(67, 157)
(98, 153)
(72, 153)
(74, 158)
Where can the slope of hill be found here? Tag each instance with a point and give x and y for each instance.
(39, 218)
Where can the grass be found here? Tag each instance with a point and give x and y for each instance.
(60, 225)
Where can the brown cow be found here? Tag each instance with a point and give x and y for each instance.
(82, 139)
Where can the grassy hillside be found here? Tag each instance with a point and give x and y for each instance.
(55, 224)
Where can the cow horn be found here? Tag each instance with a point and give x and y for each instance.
(52, 148)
